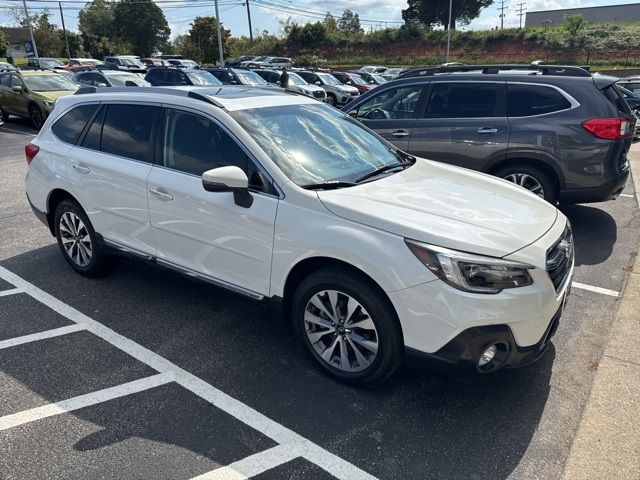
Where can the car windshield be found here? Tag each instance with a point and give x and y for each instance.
(295, 79)
(203, 78)
(357, 79)
(49, 62)
(328, 79)
(131, 62)
(250, 78)
(121, 79)
(49, 83)
(260, 59)
(316, 143)
(189, 63)
(378, 79)
(90, 62)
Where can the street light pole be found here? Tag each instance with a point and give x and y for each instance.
(220, 52)
(33, 40)
(64, 31)
(249, 17)
(449, 30)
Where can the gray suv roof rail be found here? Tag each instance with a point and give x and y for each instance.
(557, 70)
(168, 91)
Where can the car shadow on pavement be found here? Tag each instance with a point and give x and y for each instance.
(595, 233)
(415, 426)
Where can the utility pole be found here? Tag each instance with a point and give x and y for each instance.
(502, 9)
(521, 12)
(33, 40)
(449, 30)
(249, 18)
(220, 52)
(64, 31)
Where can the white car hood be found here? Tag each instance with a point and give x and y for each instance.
(447, 206)
(347, 89)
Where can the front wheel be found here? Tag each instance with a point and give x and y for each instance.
(531, 178)
(332, 100)
(36, 116)
(77, 240)
(348, 326)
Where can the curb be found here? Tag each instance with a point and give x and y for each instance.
(607, 442)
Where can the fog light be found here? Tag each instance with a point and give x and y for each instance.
(487, 356)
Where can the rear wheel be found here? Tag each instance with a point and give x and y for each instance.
(3, 116)
(77, 240)
(36, 116)
(533, 179)
(347, 326)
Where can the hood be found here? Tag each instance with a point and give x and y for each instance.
(347, 88)
(310, 88)
(54, 95)
(447, 206)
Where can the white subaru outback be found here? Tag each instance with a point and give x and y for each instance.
(374, 255)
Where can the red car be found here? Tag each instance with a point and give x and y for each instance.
(355, 80)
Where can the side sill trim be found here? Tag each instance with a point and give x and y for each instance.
(185, 271)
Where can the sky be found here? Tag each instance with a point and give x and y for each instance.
(268, 14)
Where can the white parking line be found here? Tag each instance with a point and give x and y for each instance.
(253, 465)
(626, 195)
(298, 445)
(26, 416)
(591, 288)
(34, 337)
(13, 291)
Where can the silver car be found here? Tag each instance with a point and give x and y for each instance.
(337, 93)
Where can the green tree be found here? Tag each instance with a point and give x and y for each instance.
(310, 35)
(330, 23)
(96, 25)
(204, 37)
(349, 22)
(575, 30)
(76, 48)
(436, 12)
(142, 24)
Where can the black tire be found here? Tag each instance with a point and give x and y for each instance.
(549, 186)
(3, 116)
(36, 116)
(332, 100)
(388, 331)
(96, 266)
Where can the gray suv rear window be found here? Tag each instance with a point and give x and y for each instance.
(530, 100)
(69, 127)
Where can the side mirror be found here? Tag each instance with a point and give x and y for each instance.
(319, 84)
(130, 83)
(371, 82)
(102, 84)
(229, 179)
(17, 88)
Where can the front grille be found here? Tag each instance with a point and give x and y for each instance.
(319, 94)
(560, 259)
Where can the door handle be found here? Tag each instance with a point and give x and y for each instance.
(401, 133)
(161, 195)
(81, 168)
(487, 130)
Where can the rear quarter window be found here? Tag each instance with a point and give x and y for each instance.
(69, 127)
(614, 96)
(531, 100)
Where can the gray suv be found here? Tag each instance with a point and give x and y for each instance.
(560, 132)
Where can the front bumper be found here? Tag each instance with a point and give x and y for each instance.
(460, 356)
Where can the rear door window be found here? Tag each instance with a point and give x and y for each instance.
(531, 100)
(92, 138)
(69, 127)
(127, 131)
(463, 100)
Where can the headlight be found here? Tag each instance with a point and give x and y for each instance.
(48, 103)
(471, 273)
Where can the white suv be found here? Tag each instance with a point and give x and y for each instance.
(374, 255)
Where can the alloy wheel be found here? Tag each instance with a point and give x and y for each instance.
(526, 181)
(341, 331)
(75, 239)
(36, 117)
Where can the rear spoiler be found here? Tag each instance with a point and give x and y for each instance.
(604, 81)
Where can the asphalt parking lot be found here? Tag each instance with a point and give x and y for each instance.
(146, 374)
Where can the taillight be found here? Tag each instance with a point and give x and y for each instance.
(30, 151)
(608, 128)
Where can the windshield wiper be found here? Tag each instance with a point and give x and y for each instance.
(330, 185)
(383, 169)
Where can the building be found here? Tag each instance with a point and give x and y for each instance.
(629, 12)
(17, 37)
